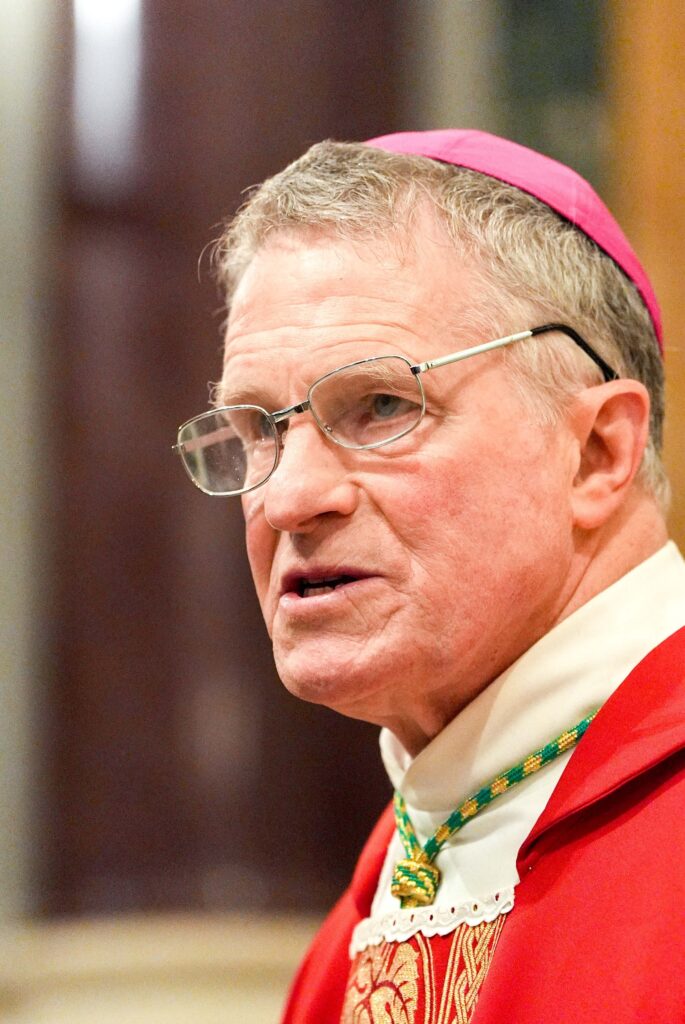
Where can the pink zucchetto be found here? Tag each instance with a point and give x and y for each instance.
(553, 183)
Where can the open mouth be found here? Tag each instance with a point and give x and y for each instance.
(316, 587)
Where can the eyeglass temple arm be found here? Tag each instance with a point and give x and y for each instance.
(607, 371)
(488, 346)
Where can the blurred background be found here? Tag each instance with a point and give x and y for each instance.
(172, 823)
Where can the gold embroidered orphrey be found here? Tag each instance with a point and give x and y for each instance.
(386, 981)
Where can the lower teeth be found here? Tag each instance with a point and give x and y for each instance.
(314, 591)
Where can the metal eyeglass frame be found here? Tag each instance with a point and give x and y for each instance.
(280, 416)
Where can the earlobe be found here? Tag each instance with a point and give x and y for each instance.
(611, 423)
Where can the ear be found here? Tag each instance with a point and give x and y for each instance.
(611, 425)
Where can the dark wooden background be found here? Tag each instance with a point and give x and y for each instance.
(179, 774)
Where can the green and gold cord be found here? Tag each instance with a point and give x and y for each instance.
(416, 879)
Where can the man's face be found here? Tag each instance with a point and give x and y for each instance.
(456, 539)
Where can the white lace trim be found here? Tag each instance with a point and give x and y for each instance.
(402, 924)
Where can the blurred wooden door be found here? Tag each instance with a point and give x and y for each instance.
(179, 772)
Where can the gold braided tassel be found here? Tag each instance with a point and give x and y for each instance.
(415, 882)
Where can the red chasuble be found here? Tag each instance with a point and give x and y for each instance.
(597, 932)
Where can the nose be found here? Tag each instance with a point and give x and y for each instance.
(312, 480)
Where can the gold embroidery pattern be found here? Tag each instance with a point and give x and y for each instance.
(383, 988)
(386, 981)
(477, 948)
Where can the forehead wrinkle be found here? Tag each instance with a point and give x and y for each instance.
(332, 312)
(320, 286)
(357, 339)
(321, 302)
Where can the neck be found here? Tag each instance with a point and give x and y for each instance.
(601, 557)
(635, 533)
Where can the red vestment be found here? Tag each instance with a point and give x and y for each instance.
(597, 931)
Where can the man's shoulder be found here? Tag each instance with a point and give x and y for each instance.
(641, 725)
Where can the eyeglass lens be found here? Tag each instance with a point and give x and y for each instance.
(229, 450)
(368, 404)
(358, 406)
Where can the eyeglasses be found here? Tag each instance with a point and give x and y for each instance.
(363, 405)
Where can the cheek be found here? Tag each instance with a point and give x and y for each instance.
(428, 513)
(439, 492)
(260, 543)
(472, 512)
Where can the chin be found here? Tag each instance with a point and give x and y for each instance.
(316, 687)
(335, 687)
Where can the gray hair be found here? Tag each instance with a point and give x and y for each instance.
(532, 263)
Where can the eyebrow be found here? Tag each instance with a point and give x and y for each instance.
(223, 394)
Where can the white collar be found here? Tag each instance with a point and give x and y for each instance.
(564, 676)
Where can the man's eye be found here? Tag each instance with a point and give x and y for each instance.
(385, 407)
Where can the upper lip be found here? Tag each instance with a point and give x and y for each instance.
(293, 581)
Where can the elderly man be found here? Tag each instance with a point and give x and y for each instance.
(441, 405)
